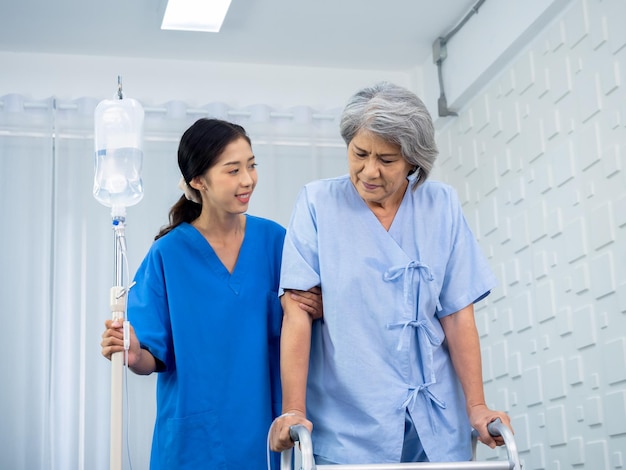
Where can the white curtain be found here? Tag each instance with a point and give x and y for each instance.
(56, 253)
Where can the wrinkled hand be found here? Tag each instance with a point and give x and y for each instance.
(113, 341)
(480, 416)
(310, 301)
(279, 432)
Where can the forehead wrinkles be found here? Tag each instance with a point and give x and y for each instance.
(370, 142)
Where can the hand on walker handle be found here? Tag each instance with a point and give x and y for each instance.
(480, 417)
(280, 438)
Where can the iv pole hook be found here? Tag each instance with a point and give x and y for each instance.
(120, 94)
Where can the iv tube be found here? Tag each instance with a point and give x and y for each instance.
(118, 152)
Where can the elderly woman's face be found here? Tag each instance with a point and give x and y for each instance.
(377, 169)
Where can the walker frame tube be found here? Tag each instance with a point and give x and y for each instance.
(304, 460)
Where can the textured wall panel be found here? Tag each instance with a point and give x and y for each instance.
(537, 220)
(580, 279)
(546, 301)
(614, 12)
(541, 266)
(564, 158)
(597, 455)
(576, 451)
(603, 230)
(620, 211)
(602, 276)
(615, 406)
(589, 146)
(555, 379)
(547, 199)
(609, 74)
(488, 217)
(584, 327)
(556, 423)
(576, 24)
(593, 411)
(524, 316)
(500, 359)
(613, 159)
(560, 78)
(614, 362)
(575, 370)
(575, 240)
(533, 386)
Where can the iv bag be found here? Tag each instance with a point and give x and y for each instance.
(118, 153)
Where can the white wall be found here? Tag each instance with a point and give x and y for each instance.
(154, 82)
(539, 159)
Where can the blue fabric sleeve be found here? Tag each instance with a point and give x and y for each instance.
(468, 277)
(148, 309)
(300, 263)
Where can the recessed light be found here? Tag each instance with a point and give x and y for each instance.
(195, 15)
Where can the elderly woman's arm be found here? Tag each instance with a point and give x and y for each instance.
(464, 347)
(295, 347)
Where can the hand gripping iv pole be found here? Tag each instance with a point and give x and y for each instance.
(117, 184)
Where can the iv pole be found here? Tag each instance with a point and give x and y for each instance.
(118, 309)
(119, 124)
(117, 304)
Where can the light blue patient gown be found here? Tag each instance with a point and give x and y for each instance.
(218, 336)
(379, 351)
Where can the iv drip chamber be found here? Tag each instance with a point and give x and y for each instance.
(118, 153)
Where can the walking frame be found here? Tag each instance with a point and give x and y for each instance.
(301, 456)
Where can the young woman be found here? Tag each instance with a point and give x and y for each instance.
(205, 312)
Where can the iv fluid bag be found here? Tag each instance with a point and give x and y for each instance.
(118, 152)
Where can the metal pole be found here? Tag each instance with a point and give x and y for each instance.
(118, 310)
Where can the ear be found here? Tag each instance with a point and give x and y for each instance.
(197, 183)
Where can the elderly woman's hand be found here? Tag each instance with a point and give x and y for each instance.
(480, 416)
(280, 438)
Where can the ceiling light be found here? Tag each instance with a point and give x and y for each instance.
(195, 15)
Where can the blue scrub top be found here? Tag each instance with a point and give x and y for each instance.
(380, 350)
(217, 334)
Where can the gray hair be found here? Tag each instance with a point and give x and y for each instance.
(398, 116)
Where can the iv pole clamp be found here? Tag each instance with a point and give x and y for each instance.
(118, 158)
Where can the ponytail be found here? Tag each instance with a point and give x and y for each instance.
(183, 211)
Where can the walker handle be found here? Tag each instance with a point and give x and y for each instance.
(300, 436)
(497, 428)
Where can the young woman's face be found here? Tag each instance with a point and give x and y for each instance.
(230, 182)
(377, 169)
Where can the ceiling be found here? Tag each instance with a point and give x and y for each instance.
(355, 34)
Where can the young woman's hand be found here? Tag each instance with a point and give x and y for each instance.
(113, 341)
(310, 301)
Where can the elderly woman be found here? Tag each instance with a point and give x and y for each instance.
(394, 368)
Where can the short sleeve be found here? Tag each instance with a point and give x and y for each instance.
(300, 262)
(468, 277)
(148, 309)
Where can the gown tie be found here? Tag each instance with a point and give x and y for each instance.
(428, 337)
